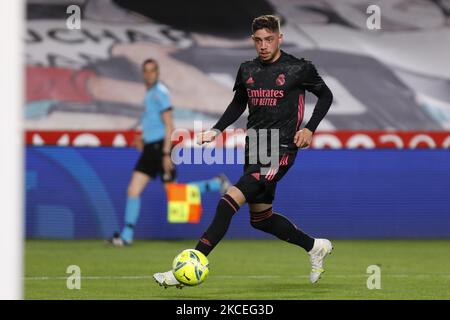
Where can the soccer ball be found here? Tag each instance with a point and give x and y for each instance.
(190, 267)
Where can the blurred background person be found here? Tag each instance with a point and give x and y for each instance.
(155, 145)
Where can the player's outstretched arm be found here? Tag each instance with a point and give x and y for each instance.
(235, 109)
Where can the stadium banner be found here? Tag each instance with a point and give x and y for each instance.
(92, 79)
(75, 193)
(236, 138)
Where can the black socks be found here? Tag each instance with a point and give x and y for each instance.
(226, 208)
(267, 221)
(278, 225)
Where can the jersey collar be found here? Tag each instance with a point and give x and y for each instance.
(281, 57)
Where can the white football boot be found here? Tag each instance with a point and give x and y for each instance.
(321, 248)
(167, 279)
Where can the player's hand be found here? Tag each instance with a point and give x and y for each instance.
(167, 164)
(303, 138)
(207, 136)
(138, 142)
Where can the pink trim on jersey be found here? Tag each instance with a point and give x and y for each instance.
(284, 160)
(271, 174)
(301, 110)
(256, 175)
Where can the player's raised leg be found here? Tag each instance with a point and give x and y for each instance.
(228, 205)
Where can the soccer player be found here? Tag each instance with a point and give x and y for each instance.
(155, 146)
(273, 86)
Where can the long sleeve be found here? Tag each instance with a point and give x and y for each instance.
(237, 106)
(234, 110)
(315, 84)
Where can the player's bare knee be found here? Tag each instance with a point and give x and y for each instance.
(237, 195)
(134, 190)
(137, 184)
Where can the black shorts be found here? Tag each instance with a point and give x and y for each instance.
(150, 162)
(259, 181)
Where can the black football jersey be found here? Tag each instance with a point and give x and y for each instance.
(276, 93)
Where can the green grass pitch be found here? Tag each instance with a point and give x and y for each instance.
(240, 269)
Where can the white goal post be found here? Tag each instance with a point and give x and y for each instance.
(12, 23)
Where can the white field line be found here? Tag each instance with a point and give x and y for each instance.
(141, 277)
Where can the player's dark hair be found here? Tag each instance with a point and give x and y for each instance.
(150, 60)
(269, 22)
